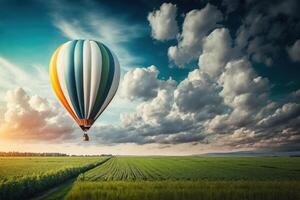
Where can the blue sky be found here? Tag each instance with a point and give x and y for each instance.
(29, 27)
(263, 35)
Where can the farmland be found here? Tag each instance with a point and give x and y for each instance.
(17, 167)
(124, 178)
(24, 177)
(190, 178)
(184, 190)
(196, 168)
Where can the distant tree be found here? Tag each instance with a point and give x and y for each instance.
(15, 154)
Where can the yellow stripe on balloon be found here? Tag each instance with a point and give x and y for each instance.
(56, 86)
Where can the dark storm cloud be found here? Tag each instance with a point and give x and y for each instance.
(282, 115)
(294, 51)
(267, 28)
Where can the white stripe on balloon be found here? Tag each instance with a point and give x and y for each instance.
(113, 87)
(96, 68)
(86, 75)
(62, 63)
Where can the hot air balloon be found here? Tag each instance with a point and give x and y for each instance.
(85, 76)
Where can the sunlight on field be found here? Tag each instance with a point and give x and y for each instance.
(185, 190)
(196, 168)
(23, 166)
(28, 176)
(189, 178)
(152, 177)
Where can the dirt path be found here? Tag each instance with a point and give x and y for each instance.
(57, 192)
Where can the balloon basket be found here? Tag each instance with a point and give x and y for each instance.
(85, 137)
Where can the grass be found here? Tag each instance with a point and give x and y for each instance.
(190, 178)
(16, 167)
(61, 192)
(196, 168)
(181, 190)
(22, 186)
(157, 178)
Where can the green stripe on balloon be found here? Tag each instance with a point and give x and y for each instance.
(110, 74)
(103, 81)
(110, 78)
(78, 68)
(70, 79)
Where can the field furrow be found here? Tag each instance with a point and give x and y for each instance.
(196, 168)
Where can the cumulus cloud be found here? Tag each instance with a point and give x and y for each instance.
(143, 83)
(263, 33)
(282, 115)
(217, 51)
(294, 51)
(163, 22)
(28, 117)
(197, 24)
(238, 79)
(198, 94)
(153, 121)
(222, 103)
(243, 92)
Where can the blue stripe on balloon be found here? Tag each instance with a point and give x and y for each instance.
(111, 72)
(70, 79)
(78, 68)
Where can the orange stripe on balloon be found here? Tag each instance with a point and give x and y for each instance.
(56, 85)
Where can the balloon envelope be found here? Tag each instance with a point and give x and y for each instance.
(85, 76)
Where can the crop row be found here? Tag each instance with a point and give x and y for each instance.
(191, 190)
(28, 186)
(195, 168)
(17, 167)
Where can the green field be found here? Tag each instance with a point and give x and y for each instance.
(133, 178)
(190, 178)
(196, 168)
(184, 190)
(17, 167)
(24, 177)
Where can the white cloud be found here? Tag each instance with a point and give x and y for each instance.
(243, 92)
(197, 104)
(294, 51)
(143, 83)
(163, 22)
(212, 113)
(33, 118)
(239, 79)
(221, 104)
(217, 51)
(197, 93)
(154, 111)
(197, 24)
(284, 114)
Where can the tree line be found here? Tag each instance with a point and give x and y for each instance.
(31, 154)
(15, 154)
